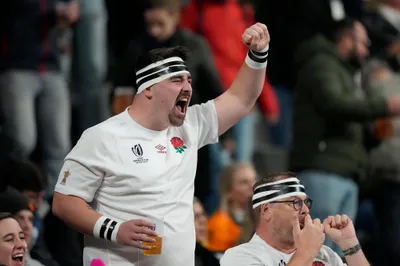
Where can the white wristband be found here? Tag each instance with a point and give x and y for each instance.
(106, 228)
(257, 60)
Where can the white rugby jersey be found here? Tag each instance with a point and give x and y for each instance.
(126, 172)
(258, 253)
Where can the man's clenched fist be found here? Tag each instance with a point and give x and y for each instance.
(256, 37)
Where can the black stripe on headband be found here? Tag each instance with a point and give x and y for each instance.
(158, 68)
(257, 59)
(104, 227)
(111, 229)
(276, 187)
(162, 73)
(279, 193)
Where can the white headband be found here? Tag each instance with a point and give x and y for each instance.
(159, 71)
(277, 190)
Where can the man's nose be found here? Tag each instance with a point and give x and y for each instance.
(187, 86)
(305, 210)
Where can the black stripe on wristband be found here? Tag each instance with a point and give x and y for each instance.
(260, 54)
(111, 229)
(256, 59)
(104, 227)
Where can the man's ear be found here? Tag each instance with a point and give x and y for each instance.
(266, 212)
(148, 92)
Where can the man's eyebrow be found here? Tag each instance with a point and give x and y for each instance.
(181, 77)
(176, 77)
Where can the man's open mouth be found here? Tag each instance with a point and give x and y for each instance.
(181, 105)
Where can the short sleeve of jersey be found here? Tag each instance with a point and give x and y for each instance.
(205, 116)
(237, 256)
(331, 256)
(84, 167)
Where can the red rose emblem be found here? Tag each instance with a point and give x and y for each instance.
(178, 144)
(318, 263)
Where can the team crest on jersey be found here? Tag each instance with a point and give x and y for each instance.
(282, 263)
(64, 180)
(178, 144)
(138, 152)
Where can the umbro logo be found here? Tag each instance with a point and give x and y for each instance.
(161, 149)
(138, 152)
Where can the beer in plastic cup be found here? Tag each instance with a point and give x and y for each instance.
(156, 246)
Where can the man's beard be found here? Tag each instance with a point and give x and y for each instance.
(354, 60)
(175, 121)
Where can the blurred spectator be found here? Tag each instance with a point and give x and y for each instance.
(15, 203)
(328, 148)
(383, 25)
(231, 224)
(89, 64)
(384, 165)
(290, 23)
(33, 96)
(232, 19)
(162, 19)
(27, 179)
(12, 240)
(64, 243)
(204, 257)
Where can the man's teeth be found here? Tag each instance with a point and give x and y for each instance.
(18, 257)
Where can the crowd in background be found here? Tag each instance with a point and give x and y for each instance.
(327, 110)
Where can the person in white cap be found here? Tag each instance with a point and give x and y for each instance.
(286, 234)
(138, 167)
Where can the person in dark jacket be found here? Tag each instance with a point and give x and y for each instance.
(328, 149)
(382, 23)
(384, 167)
(291, 23)
(34, 98)
(162, 18)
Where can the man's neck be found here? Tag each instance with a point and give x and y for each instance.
(146, 116)
(275, 242)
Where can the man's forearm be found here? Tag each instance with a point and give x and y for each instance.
(353, 253)
(75, 212)
(357, 259)
(247, 86)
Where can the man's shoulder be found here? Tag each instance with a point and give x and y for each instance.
(203, 108)
(247, 250)
(192, 38)
(106, 129)
(322, 62)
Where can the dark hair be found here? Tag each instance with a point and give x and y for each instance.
(5, 215)
(160, 54)
(268, 179)
(24, 175)
(170, 5)
(341, 28)
(126, 70)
